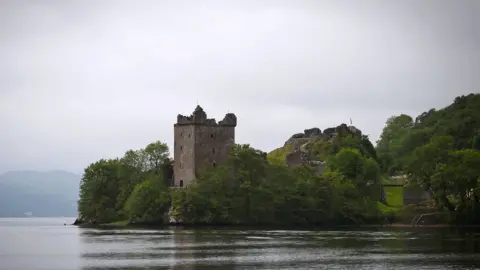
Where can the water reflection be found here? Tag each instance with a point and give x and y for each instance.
(38, 244)
(227, 249)
(197, 250)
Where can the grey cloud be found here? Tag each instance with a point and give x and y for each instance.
(82, 80)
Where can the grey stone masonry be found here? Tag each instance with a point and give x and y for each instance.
(200, 144)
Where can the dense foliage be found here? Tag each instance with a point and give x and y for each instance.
(402, 134)
(246, 190)
(440, 152)
(249, 190)
(133, 187)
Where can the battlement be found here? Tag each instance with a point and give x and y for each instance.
(199, 117)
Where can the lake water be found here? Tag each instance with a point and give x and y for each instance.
(45, 243)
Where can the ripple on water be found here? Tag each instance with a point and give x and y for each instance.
(45, 246)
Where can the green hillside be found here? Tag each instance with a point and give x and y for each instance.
(403, 134)
(394, 196)
(278, 155)
(439, 151)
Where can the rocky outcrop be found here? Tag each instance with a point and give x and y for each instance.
(318, 165)
(171, 217)
(312, 132)
(298, 135)
(78, 221)
(329, 133)
(296, 139)
(300, 141)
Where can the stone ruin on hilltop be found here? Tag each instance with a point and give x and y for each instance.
(301, 155)
(300, 142)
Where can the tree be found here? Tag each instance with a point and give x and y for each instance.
(459, 179)
(349, 162)
(424, 162)
(361, 143)
(249, 190)
(249, 170)
(476, 142)
(156, 155)
(149, 201)
(131, 172)
(362, 171)
(136, 159)
(400, 137)
(390, 143)
(107, 184)
(98, 191)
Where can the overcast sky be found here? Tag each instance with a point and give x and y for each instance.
(82, 80)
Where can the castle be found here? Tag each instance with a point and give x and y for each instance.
(200, 143)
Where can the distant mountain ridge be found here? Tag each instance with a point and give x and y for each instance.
(43, 194)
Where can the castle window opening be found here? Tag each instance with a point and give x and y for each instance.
(181, 183)
(181, 134)
(213, 150)
(189, 135)
(181, 165)
(212, 136)
(214, 164)
(181, 147)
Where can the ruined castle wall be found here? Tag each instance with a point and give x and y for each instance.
(184, 159)
(294, 159)
(415, 195)
(200, 143)
(204, 145)
(212, 143)
(224, 138)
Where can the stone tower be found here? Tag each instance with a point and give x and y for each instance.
(200, 143)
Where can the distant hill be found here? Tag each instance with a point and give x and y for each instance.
(44, 194)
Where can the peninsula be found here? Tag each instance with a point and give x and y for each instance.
(422, 171)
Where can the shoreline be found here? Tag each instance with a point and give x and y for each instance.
(270, 227)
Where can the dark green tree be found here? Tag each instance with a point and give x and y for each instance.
(149, 201)
(390, 144)
(98, 191)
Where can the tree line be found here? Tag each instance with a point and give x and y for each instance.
(440, 152)
(245, 190)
